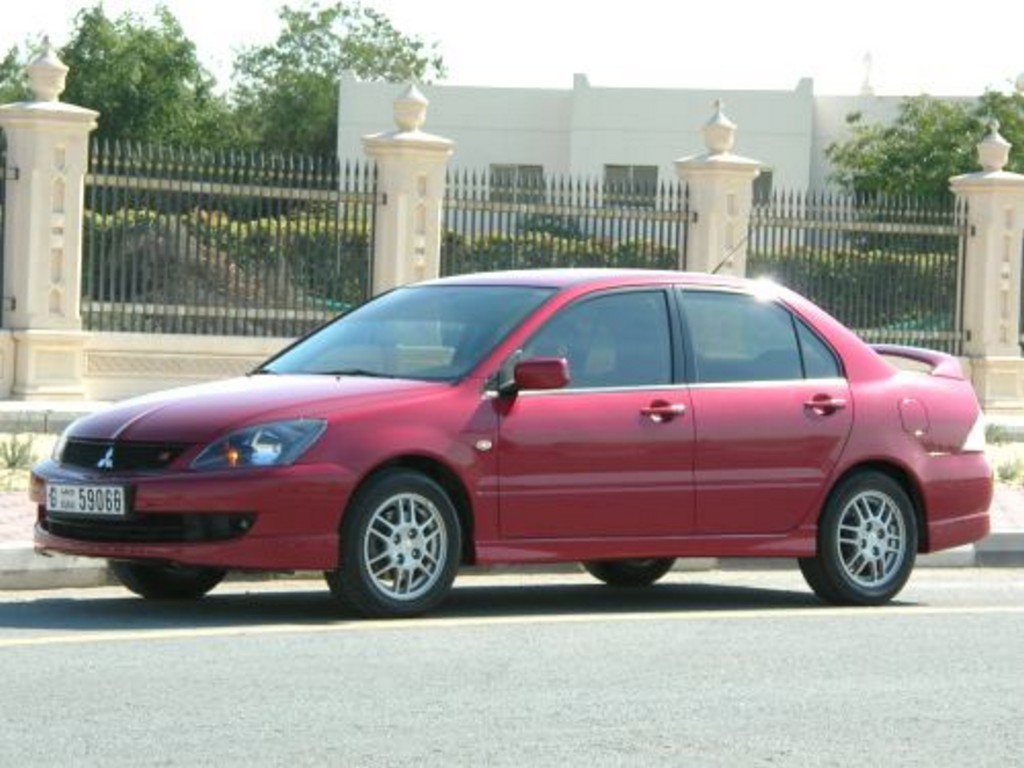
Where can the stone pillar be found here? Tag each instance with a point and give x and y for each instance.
(992, 277)
(410, 190)
(721, 191)
(47, 155)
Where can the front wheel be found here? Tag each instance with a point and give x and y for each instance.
(166, 582)
(867, 542)
(401, 547)
(629, 573)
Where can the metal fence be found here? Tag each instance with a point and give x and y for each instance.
(560, 222)
(890, 268)
(185, 241)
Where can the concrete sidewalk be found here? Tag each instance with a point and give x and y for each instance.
(22, 568)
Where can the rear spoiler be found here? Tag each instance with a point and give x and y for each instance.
(941, 364)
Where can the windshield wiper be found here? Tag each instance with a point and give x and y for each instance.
(357, 372)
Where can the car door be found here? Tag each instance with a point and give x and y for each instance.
(772, 412)
(611, 453)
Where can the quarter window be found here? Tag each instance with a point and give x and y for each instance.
(819, 361)
(616, 340)
(737, 338)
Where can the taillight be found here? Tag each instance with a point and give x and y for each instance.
(975, 440)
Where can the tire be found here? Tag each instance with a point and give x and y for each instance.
(166, 582)
(629, 573)
(400, 549)
(867, 542)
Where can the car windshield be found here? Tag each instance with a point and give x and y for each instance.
(433, 332)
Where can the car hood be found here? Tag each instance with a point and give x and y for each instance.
(206, 411)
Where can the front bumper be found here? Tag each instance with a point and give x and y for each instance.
(284, 518)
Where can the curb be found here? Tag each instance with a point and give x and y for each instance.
(21, 568)
(1001, 549)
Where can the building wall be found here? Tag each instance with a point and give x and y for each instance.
(579, 130)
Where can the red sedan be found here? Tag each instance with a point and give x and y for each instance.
(617, 418)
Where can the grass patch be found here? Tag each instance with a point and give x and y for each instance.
(19, 452)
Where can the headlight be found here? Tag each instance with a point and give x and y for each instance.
(275, 444)
(975, 440)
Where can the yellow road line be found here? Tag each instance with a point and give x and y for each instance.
(367, 625)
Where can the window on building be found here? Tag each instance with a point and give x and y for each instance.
(516, 183)
(763, 187)
(630, 186)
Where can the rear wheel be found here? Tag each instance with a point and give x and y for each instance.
(867, 542)
(401, 547)
(630, 573)
(167, 582)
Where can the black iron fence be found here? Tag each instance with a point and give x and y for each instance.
(563, 222)
(191, 242)
(890, 268)
(183, 241)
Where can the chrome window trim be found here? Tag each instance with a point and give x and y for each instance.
(492, 394)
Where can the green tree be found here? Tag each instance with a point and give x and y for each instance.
(928, 142)
(286, 93)
(144, 78)
(13, 83)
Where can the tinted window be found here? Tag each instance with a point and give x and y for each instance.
(819, 362)
(737, 337)
(615, 340)
(428, 332)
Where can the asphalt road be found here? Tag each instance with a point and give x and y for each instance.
(707, 669)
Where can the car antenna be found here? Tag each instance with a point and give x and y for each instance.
(728, 256)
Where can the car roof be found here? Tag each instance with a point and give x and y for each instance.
(565, 278)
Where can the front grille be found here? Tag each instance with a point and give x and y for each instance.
(112, 455)
(150, 528)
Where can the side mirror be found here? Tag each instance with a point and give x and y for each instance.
(541, 373)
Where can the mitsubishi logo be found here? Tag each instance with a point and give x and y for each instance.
(107, 462)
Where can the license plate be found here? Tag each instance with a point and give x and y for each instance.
(105, 500)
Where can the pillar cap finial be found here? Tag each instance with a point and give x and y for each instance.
(410, 109)
(719, 131)
(993, 150)
(47, 74)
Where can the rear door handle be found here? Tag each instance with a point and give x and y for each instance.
(660, 411)
(825, 405)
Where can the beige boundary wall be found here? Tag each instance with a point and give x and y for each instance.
(120, 365)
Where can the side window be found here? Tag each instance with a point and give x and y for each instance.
(819, 361)
(616, 340)
(738, 338)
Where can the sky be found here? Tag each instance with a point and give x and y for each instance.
(913, 47)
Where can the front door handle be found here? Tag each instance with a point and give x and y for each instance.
(660, 411)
